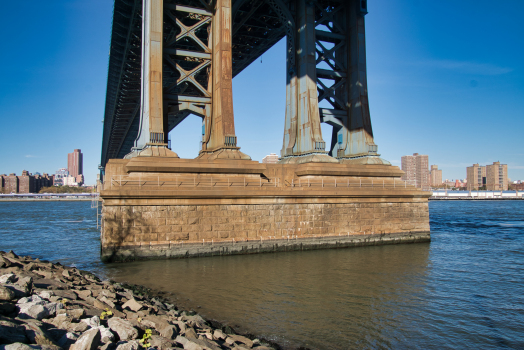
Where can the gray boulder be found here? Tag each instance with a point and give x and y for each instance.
(132, 305)
(241, 339)
(6, 294)
(92, 322)
(196, 344)
(87, 341)
(123, 328)
(38, 335)
(127, 345)
(160, 342)
(7, 278)
(22, 287)
(169, 332)
(37, 308)
(219, 335)
(4, 262)
(195, 321)
(19, 346)
(106, 335)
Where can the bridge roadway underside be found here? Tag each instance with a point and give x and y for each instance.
(176, 208)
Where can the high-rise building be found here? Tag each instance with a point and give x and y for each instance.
(408, 165)
(497, 177)
(416, 170)
(272, 159)
(476, 177)
(75, 163)
(435, 176)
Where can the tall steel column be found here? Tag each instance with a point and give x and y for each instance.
(220, 140)
(302, 135)
(342, 81)
(187, 69)
(152, 136)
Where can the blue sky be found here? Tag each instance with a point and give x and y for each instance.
(445, 78)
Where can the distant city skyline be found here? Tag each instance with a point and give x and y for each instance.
(435, 86)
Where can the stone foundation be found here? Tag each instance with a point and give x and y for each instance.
(225, 209)
(196, 230)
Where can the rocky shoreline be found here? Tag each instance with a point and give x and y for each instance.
(49, 306)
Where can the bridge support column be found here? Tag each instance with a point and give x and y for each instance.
(303, 141)
(152, 136)
(343, 48)
(220, 141)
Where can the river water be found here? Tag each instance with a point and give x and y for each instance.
(465, 289)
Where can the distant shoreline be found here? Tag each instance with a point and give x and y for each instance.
(48, 197)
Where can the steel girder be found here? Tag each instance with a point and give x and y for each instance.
(123, 80)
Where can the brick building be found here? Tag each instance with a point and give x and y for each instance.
(435, 176)
(26, 183)
(518, 186)
(75, 163)
(416, 170)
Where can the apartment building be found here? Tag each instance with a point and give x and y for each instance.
(476, 177)
(416, 170)
(271, 159)
(497, 177)
(26, 183)
(435, 176)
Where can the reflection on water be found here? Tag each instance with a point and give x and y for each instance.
(462, 290)
(314, 298)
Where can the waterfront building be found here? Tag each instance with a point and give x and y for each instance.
(497, 177)
(416, 171)
(476, 177)
(9, 183)
(492, 177)
(518, 186)
(271, 159)
(435, 176)
(26, 183)
(59, 176)
(75, 163)
(460, 184)
(73, 180)
(448, 183)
